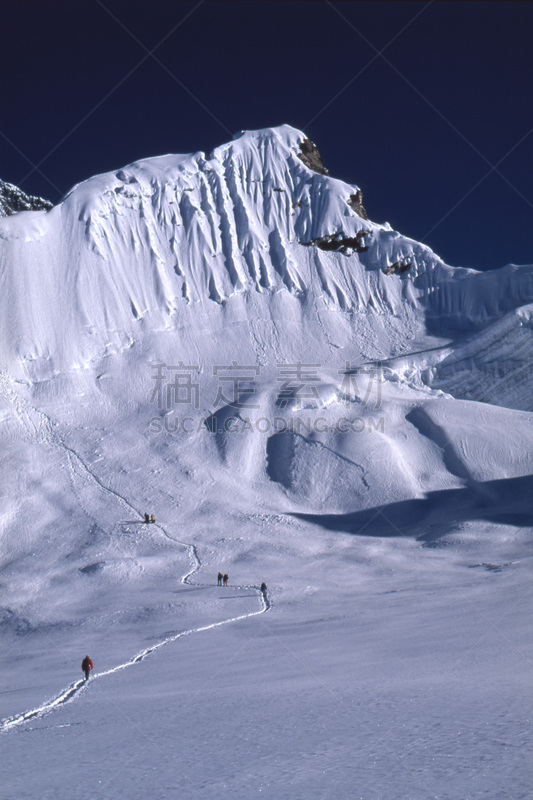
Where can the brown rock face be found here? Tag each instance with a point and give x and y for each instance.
(311, 157)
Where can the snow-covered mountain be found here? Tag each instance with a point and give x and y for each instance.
(302, 396)
(253, 243)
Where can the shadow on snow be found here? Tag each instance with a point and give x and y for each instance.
(507, 501)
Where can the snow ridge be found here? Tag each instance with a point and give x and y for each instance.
(201, 242)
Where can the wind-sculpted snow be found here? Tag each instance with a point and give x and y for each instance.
(494, 365)
(208, 248)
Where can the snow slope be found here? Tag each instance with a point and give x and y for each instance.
(302, 397)
(219, 242)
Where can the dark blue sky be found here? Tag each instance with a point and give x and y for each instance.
(426, 106)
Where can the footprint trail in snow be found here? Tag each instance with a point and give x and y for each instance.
(68, 694)
(40, 427)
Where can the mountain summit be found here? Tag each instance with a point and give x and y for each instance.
(253, 250)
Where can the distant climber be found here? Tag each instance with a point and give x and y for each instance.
(152, 518)
(263, 588)
(220, 576)
(225, 579)
(147, 518)
(87, 665)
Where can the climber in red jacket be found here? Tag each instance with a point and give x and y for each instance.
(87, 665)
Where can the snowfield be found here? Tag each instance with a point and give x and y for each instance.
(301, 397)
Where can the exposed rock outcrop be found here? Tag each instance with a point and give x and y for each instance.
(13, 200)
(355, 201)
(398, 267)
(340, 243)
(311, 157)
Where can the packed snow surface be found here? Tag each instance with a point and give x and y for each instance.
(301, 397)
